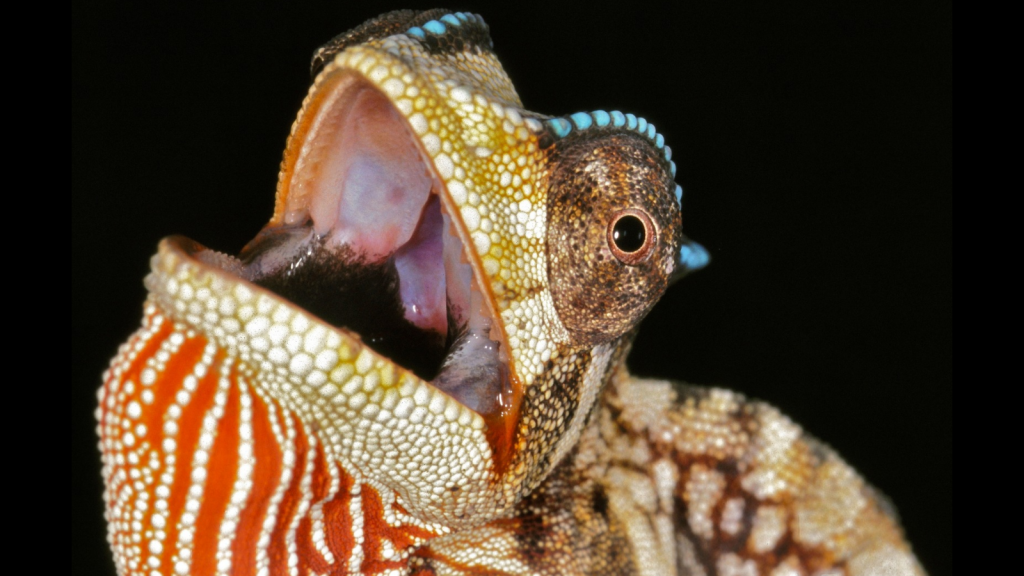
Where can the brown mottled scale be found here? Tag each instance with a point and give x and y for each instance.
(276, 414)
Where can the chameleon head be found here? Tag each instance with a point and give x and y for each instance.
(447, 279)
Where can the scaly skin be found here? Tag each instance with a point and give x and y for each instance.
(242, 434)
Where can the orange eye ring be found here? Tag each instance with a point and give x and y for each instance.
(631, 236)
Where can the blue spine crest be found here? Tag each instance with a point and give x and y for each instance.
(440, 26)
(562, 127)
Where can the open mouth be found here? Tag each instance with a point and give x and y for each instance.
(367, 239)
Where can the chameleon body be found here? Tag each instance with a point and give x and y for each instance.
(418, 366)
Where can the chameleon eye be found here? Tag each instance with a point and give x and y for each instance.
(631, 236)
(612, 227)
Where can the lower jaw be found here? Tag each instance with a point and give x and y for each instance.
(288, 369)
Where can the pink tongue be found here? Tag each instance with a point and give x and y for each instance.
(421, 275)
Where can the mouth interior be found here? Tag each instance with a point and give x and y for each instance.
(366, 242)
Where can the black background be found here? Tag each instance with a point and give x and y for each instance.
(814, 142)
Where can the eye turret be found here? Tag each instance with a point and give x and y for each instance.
(614, 230)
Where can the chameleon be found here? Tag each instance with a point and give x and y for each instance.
(418, 365)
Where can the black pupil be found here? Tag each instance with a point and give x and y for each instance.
(629, 234)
